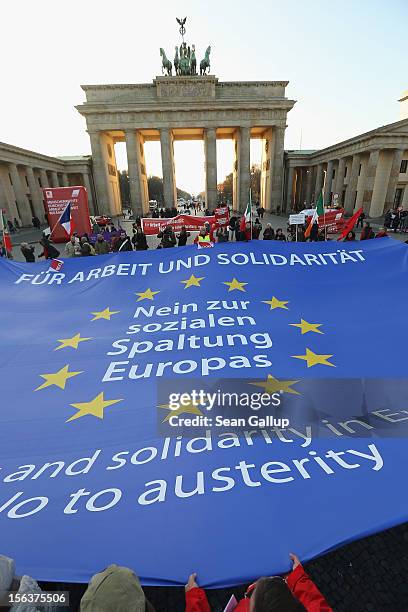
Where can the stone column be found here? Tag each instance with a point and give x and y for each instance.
(36, 198)
(352, 184)
(144, 187)
(54, 179)
(44, 178)
(100, 176)
(340, 178)
(394, 176)
(381, 180)
(65, 181)
(7, 196)
(361, 182)
(169, 178)
(289, 189)
(405, 198)
(319, 181)
(328, 183)
(88, 187)
(210, 152)
(267, 169)
(236, 171)
(369, 181)
(309, 185)
(244, 168)
(20, 195)
(277, 168)
(134, 173)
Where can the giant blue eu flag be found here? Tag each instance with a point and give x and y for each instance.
(162, 410)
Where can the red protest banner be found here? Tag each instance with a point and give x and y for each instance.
(56, 200)
(221, 216)
(192, 224)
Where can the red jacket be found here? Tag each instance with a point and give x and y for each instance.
(298, 581)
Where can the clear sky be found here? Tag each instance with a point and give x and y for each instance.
(346, 63)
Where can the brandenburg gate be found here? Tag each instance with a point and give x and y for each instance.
(186, 106)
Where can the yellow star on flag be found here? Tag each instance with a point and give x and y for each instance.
(188, 409)
(146, 295)
(235, 284)
(193, 281)
(59, 379)
(104, 314)
(273, 385)
(306, 327)
(94, 408)
(312, 359)
(71, 342)
(275, 303)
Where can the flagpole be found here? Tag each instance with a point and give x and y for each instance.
(250, 209)
(324, 207)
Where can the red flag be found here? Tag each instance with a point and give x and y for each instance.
(350, 224)
(55, 265)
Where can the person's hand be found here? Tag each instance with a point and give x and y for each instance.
(295, 561)
(191, 584)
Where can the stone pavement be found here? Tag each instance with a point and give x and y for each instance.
(369, 575)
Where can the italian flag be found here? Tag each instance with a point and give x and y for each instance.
(247, 216)
(318, 211)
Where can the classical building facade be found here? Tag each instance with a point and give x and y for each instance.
(23, 173)
(180, 108)
(369, 170)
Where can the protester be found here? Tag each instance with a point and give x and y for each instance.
(232, 226)
(182, 237)
(202, 236)
(294, 593)
(28, 252)
(86, 248)
(49, 251)
(269, 232)
(124, 243)
(24, 587)
(300, 233)
(382, 233)
(222, 234)
(115, 589)
(280, 235)
(209, 230)
(314, 232)
(101, 245)
(71, 248)
(95, 228)
(11, 227)
(367, 232)
(168, 237)
(261, 211)
(4, 252)
(350, 237)
(395, 220)
(360, 220)
(36, 222)
(139, 239)
(256, 229)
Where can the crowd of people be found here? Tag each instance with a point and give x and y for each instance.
(118, 589)
(104, 240)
